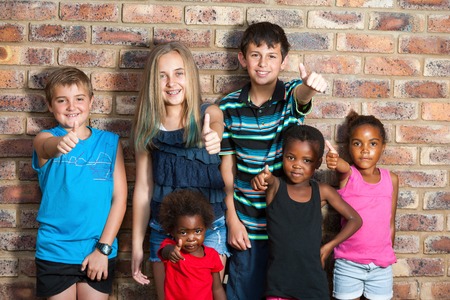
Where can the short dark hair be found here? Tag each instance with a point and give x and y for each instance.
(305, 133)
(66, 76)
(354, 120)
(184, 202)
(265, 32)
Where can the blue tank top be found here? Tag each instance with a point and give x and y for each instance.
(77, 193)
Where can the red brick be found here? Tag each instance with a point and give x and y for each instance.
(27, 266)
(286, 18)
(28, 11)
(133, 59)
(9, 267)
(38, 56)
(7, 170)
(407, 199)
(8, 219)
(18, 290)
(102, 104)
(437, 67)
(391, 110)
(437, 245)
(28, 218)
(108, 81)
(423, 134)
(307, 41)
(392, 66)
(332, 109)
(406, 244)
(126, 105)
(422, 178)
(23, 103)
(152, 14)
(198, 38)
(224, 84)
(424, 45)
(228, 38)
(419, 222)
(356, 42)
(206, 86)
(435, 155)
(424, 4)
(389, 21)
(421, 89)
(11, 125)
(365, 3)
(335, 19)
(435, 290)
(436, 111)
(399, 156)
(405, 290)
(415, 267)
(304, 2)
(214, 15)
(361, 88)
(102, 58)
(10, 55)
(16, 147)
(36, 124)
(333, 64)
(21, 193)
(89, 12)
(58, 33)
(131, 36)
(439, 23)
(437, 200)
(11, 32)
(17, 241)
(26, 172)
(12, 79)
(122, 127)
(216, 60)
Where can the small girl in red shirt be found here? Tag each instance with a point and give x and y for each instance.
(192, 269)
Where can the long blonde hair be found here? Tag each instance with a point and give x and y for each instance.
(150, 106)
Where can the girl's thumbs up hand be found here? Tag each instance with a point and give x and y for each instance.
(259, 182)
(332, 156)
(209, 137)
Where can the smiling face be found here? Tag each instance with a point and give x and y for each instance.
(70, 104)
(263, 64)
(300, 160)
(191, 230)
(172, 78)
(366, 146)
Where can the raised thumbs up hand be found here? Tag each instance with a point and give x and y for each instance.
(209, 137)
(259, 182)
(175, 254)
(332, 156)
(314, 81)
(69, 141)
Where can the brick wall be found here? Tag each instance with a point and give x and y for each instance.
(387, 58)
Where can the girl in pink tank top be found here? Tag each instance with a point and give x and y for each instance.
(363, 262)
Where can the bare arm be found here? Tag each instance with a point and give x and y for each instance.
(96, 262)
(218, 291)
(265, 181)
(213, 128)
(143, 190)
(394, 178)
(354, 221)
(237, 233)
(334, 162)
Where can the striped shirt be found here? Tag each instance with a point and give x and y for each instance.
(254, 135)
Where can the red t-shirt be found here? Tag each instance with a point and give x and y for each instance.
(190, 278)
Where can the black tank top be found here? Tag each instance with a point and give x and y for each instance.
(295, 235)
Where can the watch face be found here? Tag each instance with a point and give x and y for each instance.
(104, 248)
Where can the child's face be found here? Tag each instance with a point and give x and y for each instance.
(191, 230)
(366, 146)
(263, 64)
(300, 161)
(71, 104)
(172, 76)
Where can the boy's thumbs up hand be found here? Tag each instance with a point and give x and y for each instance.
(332, 156)
(314, 81)
(209, 137)
(259, 182)
(69, 141)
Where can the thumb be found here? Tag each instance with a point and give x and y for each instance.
(206, 128)
(266, 170)
(179, 244)
(330, 146)
(302, 69)
(75, 126)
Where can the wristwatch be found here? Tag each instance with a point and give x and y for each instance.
(104, 248)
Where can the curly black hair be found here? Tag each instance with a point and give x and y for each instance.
(184, 202)
(305, 133)
(354, 120)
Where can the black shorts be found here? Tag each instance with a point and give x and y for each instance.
(53, 278)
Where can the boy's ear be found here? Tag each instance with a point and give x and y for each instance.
(284, 62)
(242, 60)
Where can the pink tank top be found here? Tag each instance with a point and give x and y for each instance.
(372, 242)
